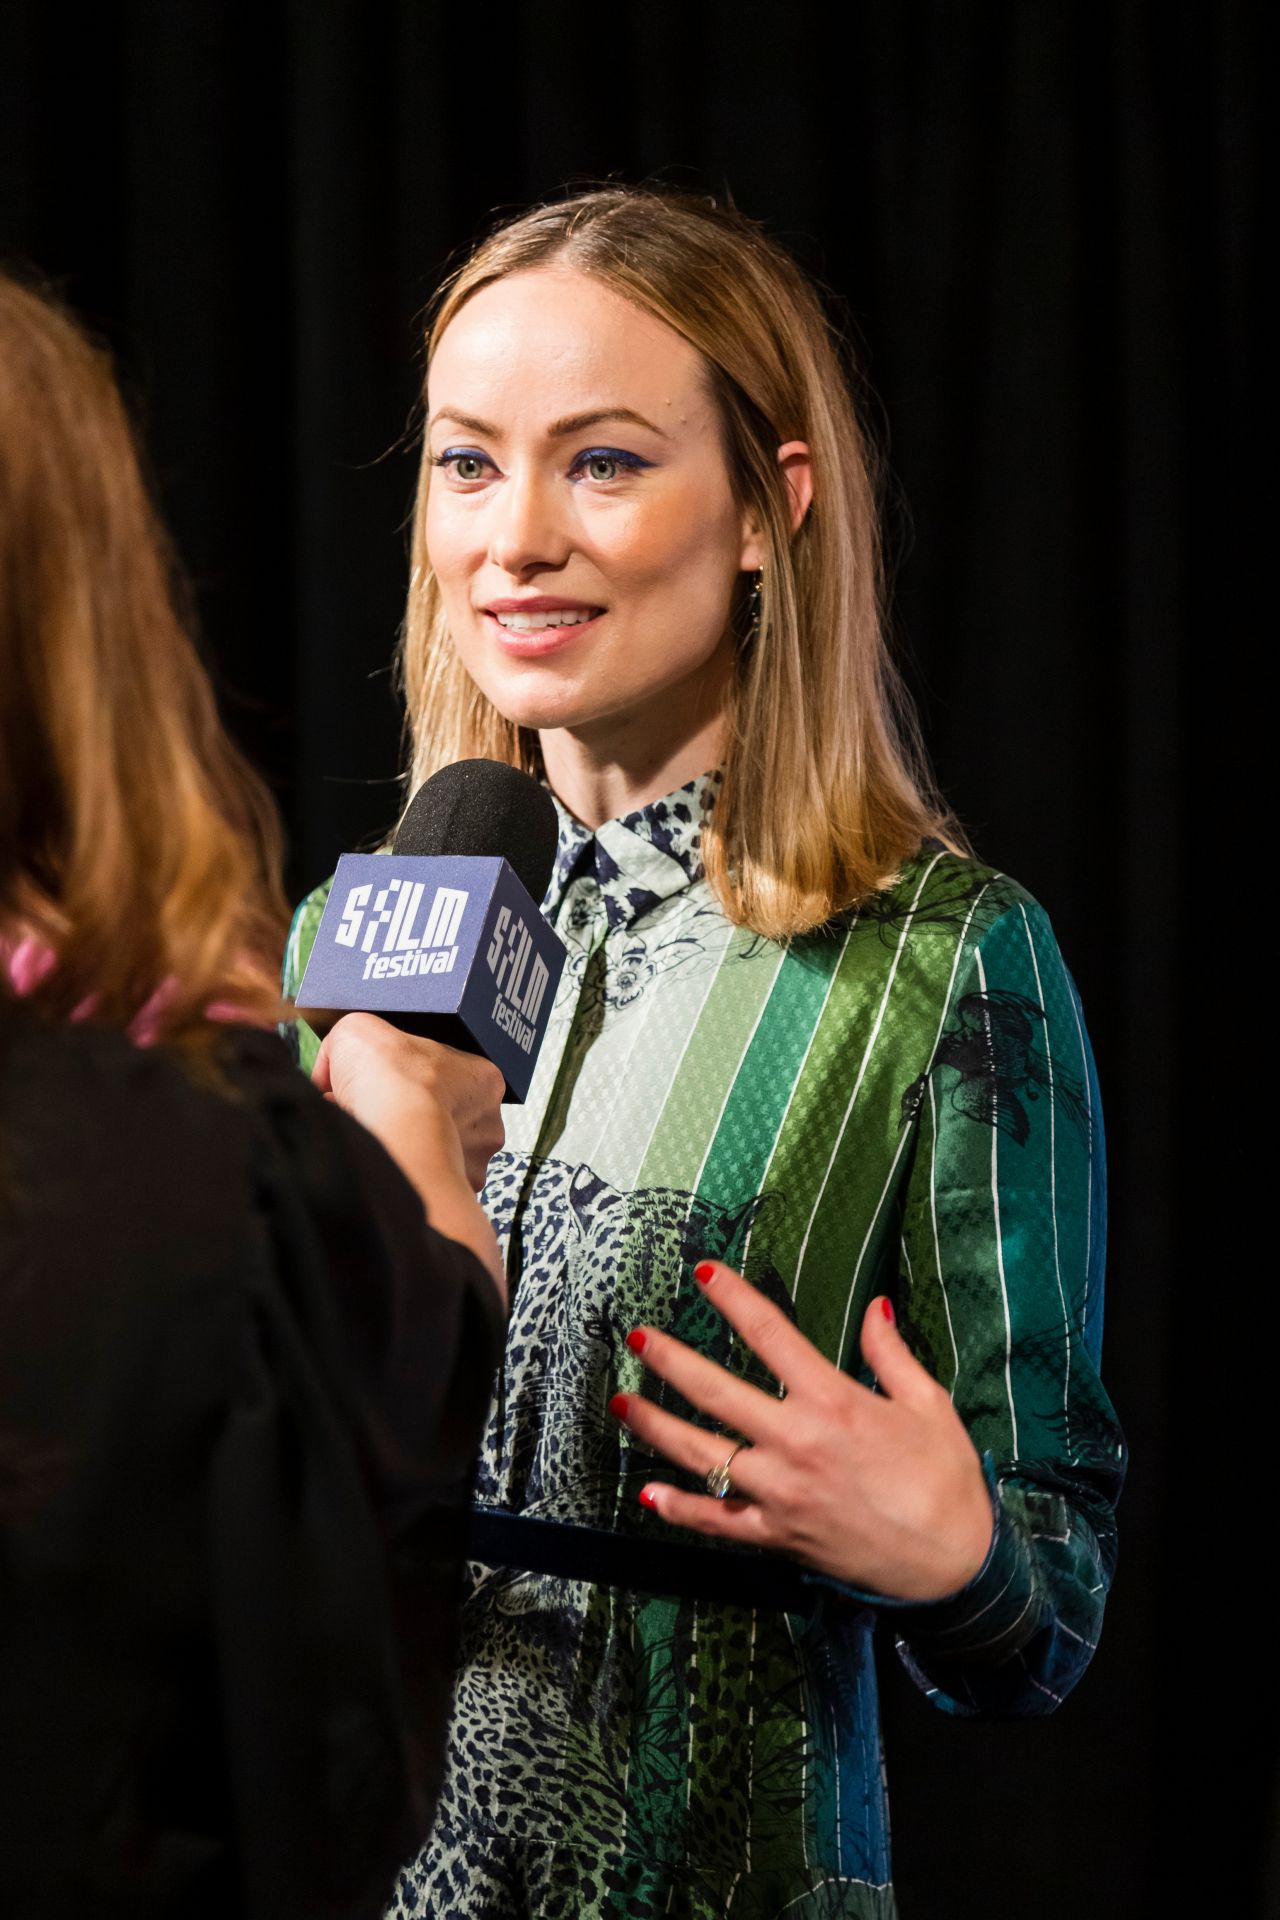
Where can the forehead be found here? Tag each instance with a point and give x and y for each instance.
(552, 342)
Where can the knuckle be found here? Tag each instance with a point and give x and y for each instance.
(827, 1406)
(757, 1329)
(767, 1532)
(934, 1397)
(771, 1528)
(806, 1452)
(717, 1398)
(342, 1035)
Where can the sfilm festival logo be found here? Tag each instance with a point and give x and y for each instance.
(519, 999)
(520, 973)
(394, 913)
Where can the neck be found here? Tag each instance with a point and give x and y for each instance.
(620, 762)
(599, 779)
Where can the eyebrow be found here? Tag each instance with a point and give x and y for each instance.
(558, 430)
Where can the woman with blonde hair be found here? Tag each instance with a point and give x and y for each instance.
(241, 1378)
(803, 1037)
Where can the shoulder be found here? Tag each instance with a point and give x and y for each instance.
(138, 1145)
(942, 927)
(135, 1144)
(145, 1197)
(92, 1099)
(937, 902)
(973, 942)
(943, 907)
(128, 1232)
(944, 890)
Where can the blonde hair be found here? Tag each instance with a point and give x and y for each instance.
(135, 844)
(825, 791)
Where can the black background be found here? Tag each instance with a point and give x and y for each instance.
(1038, 218)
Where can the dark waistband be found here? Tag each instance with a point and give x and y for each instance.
(679, 1568)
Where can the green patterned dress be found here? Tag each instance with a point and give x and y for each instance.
(904, 1103)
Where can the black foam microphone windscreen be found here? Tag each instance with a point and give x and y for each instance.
(484, 807)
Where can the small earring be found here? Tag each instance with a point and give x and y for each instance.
(753, 606)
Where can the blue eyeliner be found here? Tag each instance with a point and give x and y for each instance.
(628, 462)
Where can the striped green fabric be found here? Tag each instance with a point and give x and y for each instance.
(904, 1103)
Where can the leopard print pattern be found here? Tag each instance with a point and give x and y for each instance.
(477, 1877)
(568, 1692)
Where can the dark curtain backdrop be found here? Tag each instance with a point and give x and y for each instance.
(1037, 218)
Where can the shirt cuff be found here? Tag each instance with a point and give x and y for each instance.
(988, 1619)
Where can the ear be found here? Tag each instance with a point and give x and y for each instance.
(797, 470)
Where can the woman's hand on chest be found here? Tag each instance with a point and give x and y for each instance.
(881, 1490)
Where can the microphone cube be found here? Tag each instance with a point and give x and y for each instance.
(448, 945)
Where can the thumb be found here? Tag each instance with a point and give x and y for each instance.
(889, 1357)
(321, 1072)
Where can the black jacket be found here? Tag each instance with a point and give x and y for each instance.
(241, 1383)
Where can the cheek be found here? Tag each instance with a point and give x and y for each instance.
(448, 541)
(673, 546)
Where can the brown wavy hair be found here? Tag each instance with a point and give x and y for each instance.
(135, 843)
(826, 789)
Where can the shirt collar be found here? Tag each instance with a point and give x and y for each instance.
(639, 859)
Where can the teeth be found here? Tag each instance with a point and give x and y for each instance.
(539, 622)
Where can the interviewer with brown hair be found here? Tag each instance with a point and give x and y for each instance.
(242, 1375)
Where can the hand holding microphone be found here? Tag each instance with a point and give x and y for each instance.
(444, 941)
(398, 1085)
(436, 1112)
(443, 937)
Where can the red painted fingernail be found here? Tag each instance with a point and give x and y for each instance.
(618, 1406)
(886, 1308)
(637, 1341)
(648, 1498)
(704, 1273)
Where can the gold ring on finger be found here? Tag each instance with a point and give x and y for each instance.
(719, 1482)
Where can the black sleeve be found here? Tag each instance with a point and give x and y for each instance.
(335, 1506)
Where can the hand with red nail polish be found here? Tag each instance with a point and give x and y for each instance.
(881, 1489)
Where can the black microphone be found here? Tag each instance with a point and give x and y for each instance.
(484, 807)
(443, 936)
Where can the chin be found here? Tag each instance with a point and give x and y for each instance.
(544, 718)
(544, 709)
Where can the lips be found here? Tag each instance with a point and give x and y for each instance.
(540, 613)
(537, 625)
(523, 622)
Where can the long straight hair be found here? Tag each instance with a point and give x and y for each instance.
(825, 786)
(136, 846)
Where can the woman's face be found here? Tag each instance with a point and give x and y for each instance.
(580, 519)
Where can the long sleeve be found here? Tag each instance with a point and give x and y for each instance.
(335, 1509)
(1002, 1254)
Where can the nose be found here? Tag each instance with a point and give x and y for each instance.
(528, 534)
